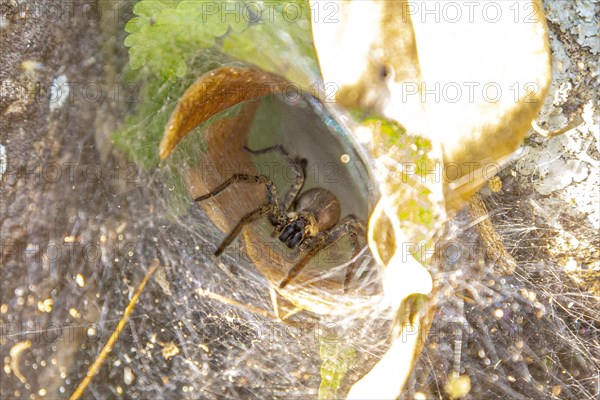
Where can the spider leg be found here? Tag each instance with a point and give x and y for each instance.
(297, 166)
(355, 228)
(271, 208)
(348, 225)
(271, 189)
(321, 241)
(246, 219)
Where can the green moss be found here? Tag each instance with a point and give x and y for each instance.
(172, 43)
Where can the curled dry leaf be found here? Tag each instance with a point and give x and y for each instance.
(214, 92)
(225, 154)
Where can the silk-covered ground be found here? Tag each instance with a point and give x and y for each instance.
(80, 226)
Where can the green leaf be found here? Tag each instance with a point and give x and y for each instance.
(173, 42)
(336, 358)
(278, 41)
(167, 35)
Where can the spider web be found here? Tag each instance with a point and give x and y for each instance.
(532, 334)
(516, 336)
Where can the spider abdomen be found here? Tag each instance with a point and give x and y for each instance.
(322, 204)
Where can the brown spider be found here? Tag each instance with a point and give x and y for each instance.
(309, 222)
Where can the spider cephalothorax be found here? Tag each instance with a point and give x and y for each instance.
(299, 229)
(316, 210)
(311, 223)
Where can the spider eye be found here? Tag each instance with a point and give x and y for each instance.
(293, 242)
(287, 232)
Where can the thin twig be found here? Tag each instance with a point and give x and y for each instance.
(578, 120)
(114, 336)
(494, 247)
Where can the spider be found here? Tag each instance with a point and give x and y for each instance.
(307, 222)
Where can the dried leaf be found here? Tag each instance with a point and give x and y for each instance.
(399, 68)
(214, 92)
(408, 69)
